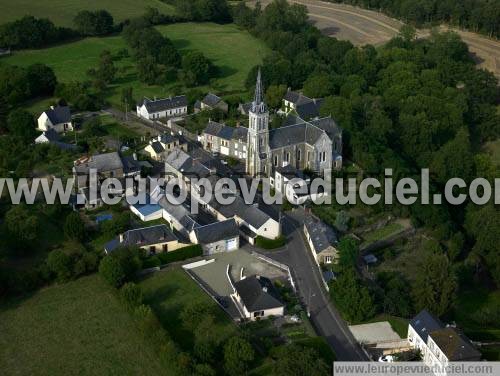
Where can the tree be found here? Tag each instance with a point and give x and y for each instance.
(22, 224)
(196, 68)
(42, 80)
(90, 23)
(74, 228)
(351, 297)
(238, 355)
(131, 295)
(293, 360)
(60, 264)
(112, 271)
(348, 252)
(127, 97)
(21, 123)
(318, 86)
(435, 286)
(274, 95)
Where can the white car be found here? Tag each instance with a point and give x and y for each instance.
(386, 358)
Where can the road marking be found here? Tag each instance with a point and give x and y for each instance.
(332, 8)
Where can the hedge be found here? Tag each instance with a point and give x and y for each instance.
(266, 243)
(180, 254)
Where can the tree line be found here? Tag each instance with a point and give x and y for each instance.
(408, 105)
(481, 16)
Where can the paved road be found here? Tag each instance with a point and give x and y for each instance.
(362, 26)
(324, 316)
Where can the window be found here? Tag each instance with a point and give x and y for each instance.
(275, 160)
(308, 156)
(328, 259)
(298, 155)
(287, 157)
(165, 247)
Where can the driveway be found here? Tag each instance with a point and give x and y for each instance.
(324, 316)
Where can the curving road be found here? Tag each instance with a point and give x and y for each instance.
(361, 26)
(324, 316)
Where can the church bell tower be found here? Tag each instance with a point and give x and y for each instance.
(258, 152)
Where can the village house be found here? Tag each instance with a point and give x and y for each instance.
(154, 109)
(256, 298)
(305, 107)
(321, 239)
(108, 165)
(56, 118)
(162, 145)
(225, 140)
(153, 239)
(217, 237)
(439, 344)
(211, 102)
(52, 137)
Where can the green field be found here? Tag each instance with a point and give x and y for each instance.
(75, 328)
(168, 292)
(232, 50)
(62, 12)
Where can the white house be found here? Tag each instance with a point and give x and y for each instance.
(56, 118)
(217, 237)
(438, 344)
(322, 240)
(256, 298)
(163, 108)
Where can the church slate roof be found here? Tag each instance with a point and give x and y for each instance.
(257, 293)
(165, 104)
(59, 115)
(303, 131)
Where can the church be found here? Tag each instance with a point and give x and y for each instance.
(315, 145)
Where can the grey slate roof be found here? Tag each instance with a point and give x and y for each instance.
(454, 345)
(245, 108)
(226, 132)
(211, 100)
(305, 131)
(51, 135)
(180, 213)
(217, 231)
(165, 104)
(424, 323)
(59, 114)
(157, 147)
(322, 235)
(101, 162)
(258, 293)
(186, 164)
(249, 213)
(142, 237)
(309, 109)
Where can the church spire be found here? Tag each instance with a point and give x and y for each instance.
(258, 105)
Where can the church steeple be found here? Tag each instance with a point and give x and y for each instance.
(258, 105)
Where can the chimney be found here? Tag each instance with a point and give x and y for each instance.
(51, 107)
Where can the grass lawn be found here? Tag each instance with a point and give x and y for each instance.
(168, 292)
(232, 50)
(78, 327)
(62, 12)
(382, 233)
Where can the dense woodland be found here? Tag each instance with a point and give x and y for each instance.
(409, 105)
(481, 16)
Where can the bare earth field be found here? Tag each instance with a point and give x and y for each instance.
(361, 26)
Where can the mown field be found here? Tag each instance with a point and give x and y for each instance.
(232, 50)
(62, 12)
(75, 328)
